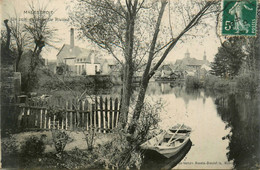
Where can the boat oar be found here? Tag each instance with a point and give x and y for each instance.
(174, 134)
(161, 138)
(174, 140)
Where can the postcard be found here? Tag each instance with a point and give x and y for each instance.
(120, 84)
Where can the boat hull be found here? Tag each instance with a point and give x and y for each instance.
(170, 151)
(161, 144)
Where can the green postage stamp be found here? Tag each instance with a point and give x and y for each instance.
(239, 17)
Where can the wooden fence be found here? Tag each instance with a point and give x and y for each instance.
(101, 113)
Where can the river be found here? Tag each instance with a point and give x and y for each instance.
(225, 127)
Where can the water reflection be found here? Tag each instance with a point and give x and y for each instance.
(195, 108)
(241, 114)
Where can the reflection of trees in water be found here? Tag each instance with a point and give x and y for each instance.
(159, 88)
(179, 91)
(242, 115)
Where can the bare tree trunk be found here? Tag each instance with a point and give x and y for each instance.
(8, 34)
(128, 67)
(19, 56)
(146, 77)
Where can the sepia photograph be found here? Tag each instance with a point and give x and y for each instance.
(130, 84)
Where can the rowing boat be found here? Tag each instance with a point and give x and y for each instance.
(170, 142)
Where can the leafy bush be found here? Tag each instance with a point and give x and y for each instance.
(193, 82)
(210, 81)
(89, 137)
(60, 139)
(10, 146)
(247, 82)
(124, 151)
(222, 85)
(33, 147)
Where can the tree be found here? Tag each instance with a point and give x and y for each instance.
(135, 30)
(220, 66)
(39, 31)
(20, 38)
(231, 55)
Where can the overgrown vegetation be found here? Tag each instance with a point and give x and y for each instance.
(193, 82)
(247, 82)
(60, 139)
(90, 137)
(33, 147)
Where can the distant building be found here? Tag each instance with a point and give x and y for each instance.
(87, 63)
(192, 66)
(80, 61)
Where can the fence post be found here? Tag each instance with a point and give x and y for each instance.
(81, 114)
(116, 114)
(111, 114)
(66, 116)
(101, 114)
(71, 114)
(106, 119)
(41, 113)
(97, 116)
(86, 113)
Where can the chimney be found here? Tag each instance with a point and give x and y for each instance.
(204, 57)
(71, 38)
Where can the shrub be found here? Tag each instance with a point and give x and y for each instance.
(192, 82)
(33, 147)
(89, 137)
(247, 82)
(124, 151)
(10, 146)
(60, 139)
(222, 85)
(210, 81)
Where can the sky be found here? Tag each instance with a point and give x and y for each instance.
(208, 43)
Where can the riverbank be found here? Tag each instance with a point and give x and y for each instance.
(242, 83)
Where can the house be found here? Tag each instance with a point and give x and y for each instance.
(87, 63)
(165, 71)
(75, 60)
(109, 66)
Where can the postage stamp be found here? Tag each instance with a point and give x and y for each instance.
(239, 17)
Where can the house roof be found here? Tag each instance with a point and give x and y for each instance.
(87, 55)
(183, 63)
(67, 52)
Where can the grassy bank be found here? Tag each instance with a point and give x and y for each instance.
(20, 151)
(244, 82)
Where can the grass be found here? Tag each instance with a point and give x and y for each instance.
(76, 154)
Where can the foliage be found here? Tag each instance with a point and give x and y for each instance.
(247, 82)
(79, 83)
(32, 147)
(210, 81)
(9, 146)
(222, 85)
(60, 139)
(193, 82)
(228, 61)
(124, 151)
(118, 153)
(90, 136)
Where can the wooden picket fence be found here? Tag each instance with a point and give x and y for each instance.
(101, 113)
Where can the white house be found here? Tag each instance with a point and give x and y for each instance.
(87, 63)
